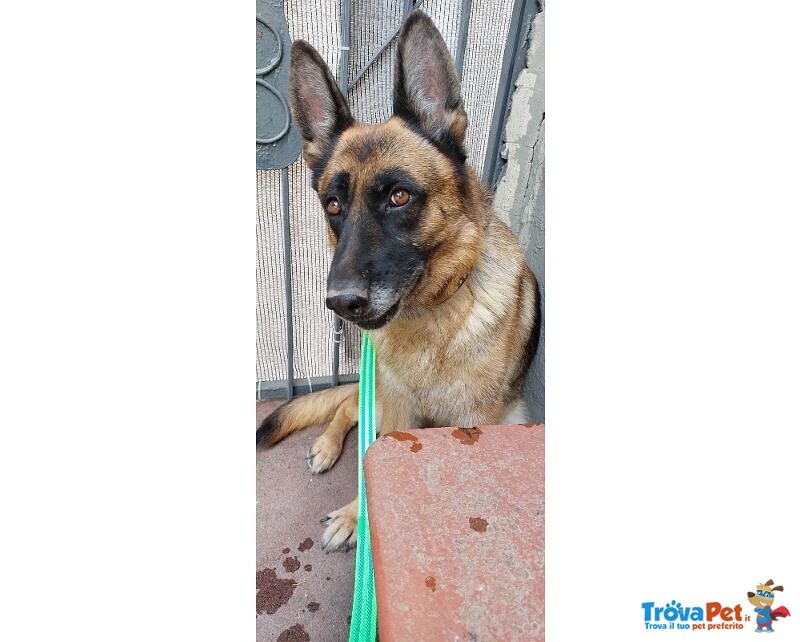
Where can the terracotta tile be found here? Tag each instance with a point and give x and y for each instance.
(457, 528)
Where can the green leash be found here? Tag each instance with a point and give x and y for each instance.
(363, 621)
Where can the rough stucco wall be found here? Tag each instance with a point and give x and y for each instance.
(519, 198)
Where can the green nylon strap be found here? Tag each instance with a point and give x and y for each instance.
(363, 621)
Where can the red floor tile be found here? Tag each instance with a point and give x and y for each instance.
(457, 529)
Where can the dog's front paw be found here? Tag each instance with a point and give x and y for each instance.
(341, 533)
(324, 453)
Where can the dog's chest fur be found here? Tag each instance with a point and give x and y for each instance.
(455, 364)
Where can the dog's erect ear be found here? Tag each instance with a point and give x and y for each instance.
(426, 85)
(318, 107)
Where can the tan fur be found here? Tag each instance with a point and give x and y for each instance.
(328, 446)
(316, 408)
(340, 531)
(456, 363)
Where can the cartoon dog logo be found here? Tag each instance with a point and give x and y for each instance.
(762, 599)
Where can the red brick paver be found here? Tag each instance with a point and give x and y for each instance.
(457, 529)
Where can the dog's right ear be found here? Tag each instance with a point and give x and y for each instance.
(426, 85)
(318, 107)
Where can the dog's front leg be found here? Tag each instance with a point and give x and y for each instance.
(341, 532)
(327, 448)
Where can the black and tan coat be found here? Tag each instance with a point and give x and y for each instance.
(419, 259)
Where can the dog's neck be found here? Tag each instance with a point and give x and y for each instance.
(456, 257)
(452, 286)
(453, 297)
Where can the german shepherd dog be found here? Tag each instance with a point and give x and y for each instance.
(419, 260)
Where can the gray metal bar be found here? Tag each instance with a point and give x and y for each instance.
(521, 17)
(408, 7)
(277, 389)
(374, 57)
(346, 8)
(463, 31)
(344, 27)
(287, 279)
(337, 342)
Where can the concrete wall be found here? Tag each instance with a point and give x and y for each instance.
(519, 198)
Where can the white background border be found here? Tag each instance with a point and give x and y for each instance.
(127, 272)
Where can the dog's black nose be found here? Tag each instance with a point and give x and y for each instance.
(347, 304)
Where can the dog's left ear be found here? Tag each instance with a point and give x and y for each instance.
(319, 108)
(426, 85)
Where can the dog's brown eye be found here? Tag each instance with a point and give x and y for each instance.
(333, 207)
(400, 197)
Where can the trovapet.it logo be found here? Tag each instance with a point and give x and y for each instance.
(712, 615)
(717, 615)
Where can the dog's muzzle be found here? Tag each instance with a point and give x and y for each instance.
(355, 306)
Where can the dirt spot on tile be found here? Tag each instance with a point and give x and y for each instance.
(430, 582)
(307, 567)
(295, 634)
(478, 524)
(285, 551)
(467, 436)
(291, 564)
(399, 435)
(305, 544)
(272, 593)
(312, 607)
(402, 436)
